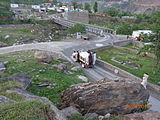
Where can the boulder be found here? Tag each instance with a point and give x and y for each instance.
(47, 57)
(69, 111)
(43, 56)
(2, 67)
(91, 116)
(105, 96)
(62, 67)
(82, 78)
(147, 115)
(21, 78)
(3, 44)
(76, 68)
(56, 113)
(4, 100)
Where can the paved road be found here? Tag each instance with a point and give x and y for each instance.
(95, 73)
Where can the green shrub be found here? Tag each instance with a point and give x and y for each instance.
(77, 28)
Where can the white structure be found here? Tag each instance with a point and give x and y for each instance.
(79, 35)
(144, 82)
(138, 32)
(64, 8)
(37, 7)
(14, 5)
(86, 59)
(51, 8)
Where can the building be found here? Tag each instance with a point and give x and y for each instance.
(14, 5)
(36, 7)
(129, 17)
(64, 8)
(137, 33)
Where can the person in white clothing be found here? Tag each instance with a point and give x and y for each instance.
(144, 81)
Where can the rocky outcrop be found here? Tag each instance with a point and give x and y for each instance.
(4, 100)
(91, 116)
(105, 96)
(21, 78)
(147, 115)
(62, 67)
(56, 114)
(69, 111)
(45, 56)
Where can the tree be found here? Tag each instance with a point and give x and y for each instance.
(74, 3)
(77, 28)
(155, 27)
(87, 7)
(95, 7)
(112, 12)
(80, 6)
(154, 21)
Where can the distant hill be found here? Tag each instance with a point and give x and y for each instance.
(133, 6)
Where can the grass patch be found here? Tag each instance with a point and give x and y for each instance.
(10, 85)
(146, 64)
(16, 35)
(31, 110)
(32, 68)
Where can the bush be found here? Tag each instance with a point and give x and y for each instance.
(77, 28)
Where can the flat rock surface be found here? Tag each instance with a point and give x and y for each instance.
(21, 78)
(29, 96)
(4, 100)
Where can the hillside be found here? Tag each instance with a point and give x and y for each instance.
(133, 6)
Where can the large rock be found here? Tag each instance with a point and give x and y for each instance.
(45, 56)
(91, 116)
(4, 100)
(147, 115)
(56, 113)
(61, 68)
(69, 111)
(21, 78)
(105, 96)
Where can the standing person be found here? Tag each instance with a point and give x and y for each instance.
(145, 78)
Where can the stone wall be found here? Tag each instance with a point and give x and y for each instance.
(82, 17)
